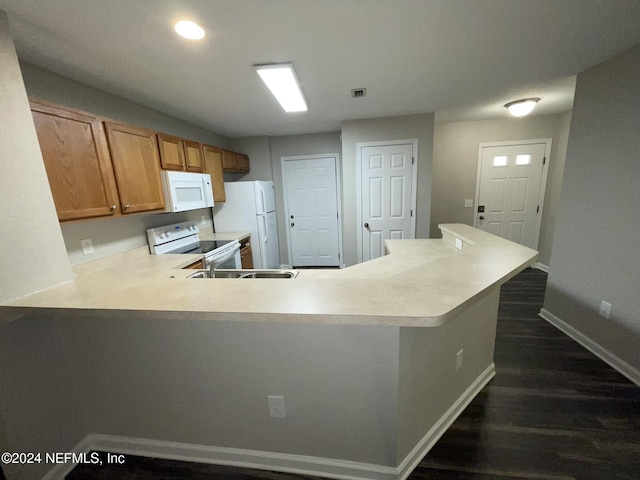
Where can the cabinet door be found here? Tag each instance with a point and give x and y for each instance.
(243, 162)
(134, 153)
(229, 160)
(76, 158)
(246, 257)
(193, 156)
(213, 166)
(171, 152)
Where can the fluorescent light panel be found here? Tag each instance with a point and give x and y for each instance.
(282, 81)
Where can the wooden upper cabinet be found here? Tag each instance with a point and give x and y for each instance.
(193, 156)
(77, 161)
(180, 154)
(136, 162)
(243, 162)
(235, 162)
(171, 152)
(213, 166)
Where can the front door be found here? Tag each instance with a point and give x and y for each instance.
(387, 195)
(311, 195)
(511, 190)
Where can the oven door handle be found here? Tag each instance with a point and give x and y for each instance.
(226, 256)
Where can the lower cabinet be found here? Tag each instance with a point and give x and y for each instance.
(246, 256)
(195, 265)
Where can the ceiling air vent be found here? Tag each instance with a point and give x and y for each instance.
(358, 92)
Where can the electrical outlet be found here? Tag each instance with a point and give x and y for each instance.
(203, 220)
(87, 246)
(459, 356)
(468, 203)
(276, 406)
(605, 309)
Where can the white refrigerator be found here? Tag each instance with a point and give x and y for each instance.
(251, 206)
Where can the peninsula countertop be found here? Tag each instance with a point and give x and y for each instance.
(419, 283)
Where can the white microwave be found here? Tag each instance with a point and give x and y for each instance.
(186, 191)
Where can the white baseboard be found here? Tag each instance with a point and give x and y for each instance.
(594, 347)
(442, 425)
(279, 462)
(237, 457)
(541, 266)
(61, 470)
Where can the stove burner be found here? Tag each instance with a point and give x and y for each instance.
(208, 245)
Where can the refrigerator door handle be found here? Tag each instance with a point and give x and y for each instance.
(264, 201)
(266, 230)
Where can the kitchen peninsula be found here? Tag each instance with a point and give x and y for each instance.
(374, 361)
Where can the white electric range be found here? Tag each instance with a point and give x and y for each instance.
(183, 238)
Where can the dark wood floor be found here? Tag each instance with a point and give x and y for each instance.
(554, 411)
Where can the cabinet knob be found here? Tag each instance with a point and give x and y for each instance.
(183, 165)
(127, 206)
(366, 225)
(113, 208)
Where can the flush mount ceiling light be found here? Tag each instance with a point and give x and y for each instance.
(189, 29)
(281, 79)
(520, 108)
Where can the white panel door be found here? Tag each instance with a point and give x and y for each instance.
(509, 191)
(312, 206)
(386, 196)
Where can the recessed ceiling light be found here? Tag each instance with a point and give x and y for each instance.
(520, 108)
(281, 79)
(189, 29)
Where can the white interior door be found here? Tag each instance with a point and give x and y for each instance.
(510, 191)
(311, 193)
(387, 195)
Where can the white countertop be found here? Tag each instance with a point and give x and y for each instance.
(422, 282)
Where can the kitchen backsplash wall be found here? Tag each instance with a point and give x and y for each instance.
(116, 235)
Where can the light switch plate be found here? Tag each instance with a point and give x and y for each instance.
(468, 203)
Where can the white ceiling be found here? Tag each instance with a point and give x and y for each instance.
(463, 59)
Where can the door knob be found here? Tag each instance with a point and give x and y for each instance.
(366, 225)
(291, 217)
(481, 217)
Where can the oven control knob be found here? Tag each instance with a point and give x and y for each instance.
(161, 235)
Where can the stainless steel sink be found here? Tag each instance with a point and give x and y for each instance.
(245, 274)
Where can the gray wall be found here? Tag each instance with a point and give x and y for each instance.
(455, 162)
(36, 377)
(113, 235)
(377, 129)
(28, 213)
(206, 383)
(595, 247)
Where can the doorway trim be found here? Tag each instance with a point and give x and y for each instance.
(543, 180)
(360, 146)
(338, 179)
